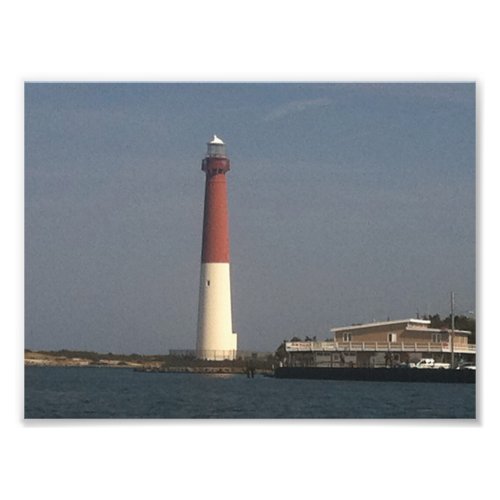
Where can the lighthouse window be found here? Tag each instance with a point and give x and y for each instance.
(208, 282)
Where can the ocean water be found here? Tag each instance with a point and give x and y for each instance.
(121, 393)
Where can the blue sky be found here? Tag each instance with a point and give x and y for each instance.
(348, 203)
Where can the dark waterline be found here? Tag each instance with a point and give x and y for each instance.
(65, 392)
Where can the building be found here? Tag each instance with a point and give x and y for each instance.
(215, 339)
(386, 343)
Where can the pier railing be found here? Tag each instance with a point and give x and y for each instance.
(378, 347)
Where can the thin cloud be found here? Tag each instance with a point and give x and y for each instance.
(295, 107)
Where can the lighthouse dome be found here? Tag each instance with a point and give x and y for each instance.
(216, 140)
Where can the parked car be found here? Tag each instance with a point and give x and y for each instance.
(466, 366)
(430, 363)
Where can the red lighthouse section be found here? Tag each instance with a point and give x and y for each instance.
(215, 246)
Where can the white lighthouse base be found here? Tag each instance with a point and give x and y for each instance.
(216, 340)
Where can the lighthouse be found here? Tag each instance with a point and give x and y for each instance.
(216, 340)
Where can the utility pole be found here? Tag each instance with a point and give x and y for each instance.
(452, 330)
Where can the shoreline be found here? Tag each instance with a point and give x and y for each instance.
(143, 363)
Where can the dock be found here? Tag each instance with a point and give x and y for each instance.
(378, 374)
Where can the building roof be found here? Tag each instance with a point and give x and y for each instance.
(411, 321)
(439, 330)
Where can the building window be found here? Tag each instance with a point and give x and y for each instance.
(347, 337)
(392, 337)
(438, 337)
